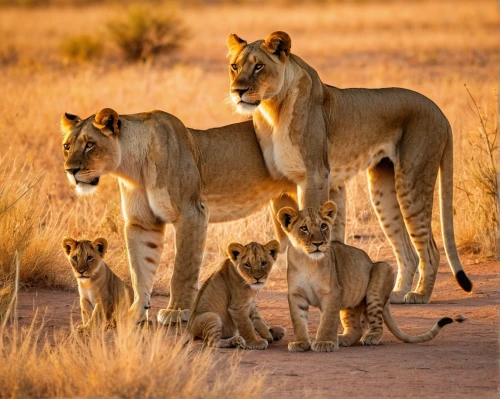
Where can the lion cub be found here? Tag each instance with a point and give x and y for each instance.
(103, 296)
(225, 313)
(336, 277)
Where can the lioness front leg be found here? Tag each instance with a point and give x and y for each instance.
(246, 329)
(190, 238)
(338, 195)
(327, 335)
(299, 311)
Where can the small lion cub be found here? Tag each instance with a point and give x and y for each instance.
(225, 313)
(103, 296)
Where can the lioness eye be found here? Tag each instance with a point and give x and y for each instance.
(324, 226)
(89, 145)
(75, 258)
(66, 146)
(247, 265)
(304, 229)
(90, 259)
(258, 67)
(234, 67)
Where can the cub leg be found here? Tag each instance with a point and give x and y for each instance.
(299, 311)
(351, 321)
(86, 308)
(338, 195)
(385, 202)
(327, 335)
(246, 329)
(274, 333)
(190, 238)
(377, 295)
(208, 326)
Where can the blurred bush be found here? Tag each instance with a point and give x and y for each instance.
(82, 48)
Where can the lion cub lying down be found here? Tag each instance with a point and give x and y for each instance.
(103, 296)
(225, 314)
(336, 277)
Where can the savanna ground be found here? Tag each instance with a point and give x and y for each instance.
(431, 47)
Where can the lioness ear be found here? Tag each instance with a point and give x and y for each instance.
(273, 247)
(328, 211)
(68, 121)
(235, 251)
(278, 43)
(107, 120)
(287, 216)
(235, 43)
(68, 245)
(101, 245)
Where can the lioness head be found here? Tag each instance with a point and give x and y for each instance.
(254, 261)
(310, 229)
(90, 148)
(257, 70)
(85, 256)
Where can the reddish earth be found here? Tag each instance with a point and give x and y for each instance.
(462, 361)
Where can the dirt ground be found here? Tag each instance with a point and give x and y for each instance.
(462, 361)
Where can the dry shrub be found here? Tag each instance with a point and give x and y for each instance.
(146, 33)
(81, 48)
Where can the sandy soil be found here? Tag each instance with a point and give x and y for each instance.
(462, 361)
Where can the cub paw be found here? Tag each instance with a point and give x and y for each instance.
(345, 340)
(413, 297)
(371, 339)
(299, 346)
(137, 315)
(171, 316)
(238, 342)
(324, 346)
(277, 332)
(260, 344)
(398, 297)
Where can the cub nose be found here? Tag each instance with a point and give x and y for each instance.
(73, 171)
(240, 91)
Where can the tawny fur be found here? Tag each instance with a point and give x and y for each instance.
(104, 298)
(319, 136)
(170, 174)
(225, 313)
(336, 278)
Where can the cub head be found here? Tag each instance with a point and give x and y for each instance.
(254, 261)
(257, 70)
(90, 148)
(85, 256)
(309, 230)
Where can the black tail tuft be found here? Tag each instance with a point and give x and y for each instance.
(464, 281)
(444, 321)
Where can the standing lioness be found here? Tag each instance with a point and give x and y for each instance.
(319, 136)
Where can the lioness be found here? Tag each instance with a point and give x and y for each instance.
(319, 136)
(334, 277)
(170, 174)
(103, 296)
(225, 313)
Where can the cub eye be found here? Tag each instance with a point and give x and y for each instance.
(324, 226)
(234, 67)
(304, 229)
(89, 145)
(66, 146)
(247, 265)
(74, 258)
(264, 264)
(258, 67)
(90, 259)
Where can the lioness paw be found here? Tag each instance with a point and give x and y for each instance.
(324, 346)
(371, 339)
(398, 297)
(299, 346)
(277, 332)
(260, 344)
(413, 297)
(171, 316)
(345, 340)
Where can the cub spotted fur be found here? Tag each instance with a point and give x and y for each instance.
(225, 313)
(103, 296)
(336, 277)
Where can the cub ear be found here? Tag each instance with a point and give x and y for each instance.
(235, 251)
(68, 121)
(273, 247)
(101, 245)
(235, 43)
(278, 43)
(68, 245)
(287, 216)
(328, 211)
(107, 120)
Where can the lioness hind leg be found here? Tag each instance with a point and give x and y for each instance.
(377, 295)
(351, 321)
(385, 202)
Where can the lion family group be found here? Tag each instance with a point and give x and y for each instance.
(305, 139)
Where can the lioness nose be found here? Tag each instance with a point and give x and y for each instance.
(73, 171)
(318, 243)
(240, 91)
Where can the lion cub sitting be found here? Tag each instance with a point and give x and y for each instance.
(225, 314)
(335, 277)
(103, 296)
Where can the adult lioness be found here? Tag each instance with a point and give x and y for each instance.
(319, 136)
(169, 174)
(334, 277)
